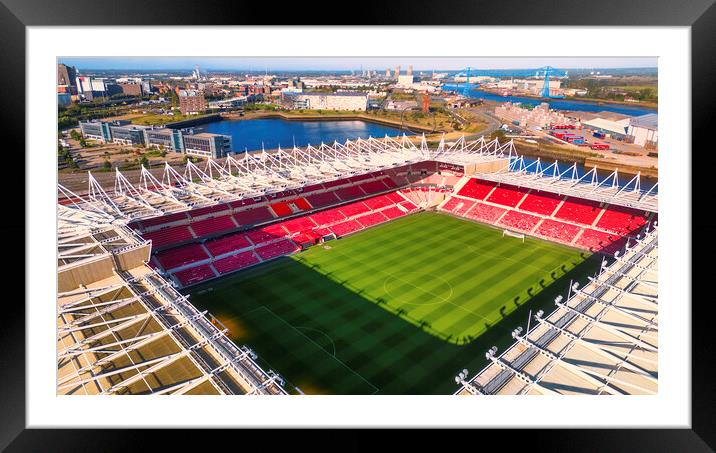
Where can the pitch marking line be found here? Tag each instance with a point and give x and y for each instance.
(416, 287)
(441, 301)
(321, 348)
(322, 333)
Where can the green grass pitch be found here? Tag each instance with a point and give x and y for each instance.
(398, 309)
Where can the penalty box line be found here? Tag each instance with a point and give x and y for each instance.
(317, 345)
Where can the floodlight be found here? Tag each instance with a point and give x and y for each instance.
(557, 299)
(656, 223)
(539, 314)
(457, 380)
(616, 254)
(575, 286)
(465, 371)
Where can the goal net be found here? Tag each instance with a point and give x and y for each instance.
(513, 234)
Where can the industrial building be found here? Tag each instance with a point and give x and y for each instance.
(326, 101)
(118, 131)
(644, 130)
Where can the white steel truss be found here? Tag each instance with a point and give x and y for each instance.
(602, 339)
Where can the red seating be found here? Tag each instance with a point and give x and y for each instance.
(266, 234)
(245, 202)
(322, 231)
(476, 189)
(622, 220)
(298, 224)
(168, 236)
(394, 197)
(349, 193)
(378, 202)
(519, 221)
(213, 225)
(195, 213)
(373, 187)
(281, 209)
(235, 262)
(301, 204)
(320, 200)
(341, 229)
(579, 211)
(453, 203)
(334, 183)
(600, 241)
(466, 205)
(327, 217)
(253, 216)
(408, 205)
(312, 188)
(392, 213)
(507, 195)
(360, 177)
(180, 256)
(369, 220)
(390, 183)
(227, 244)
(540, 202)
(562, 232)
(165, 219)
(277, 249)
(485, 213)
(194, 274)
(353, 209)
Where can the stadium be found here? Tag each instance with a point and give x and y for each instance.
(377, 266)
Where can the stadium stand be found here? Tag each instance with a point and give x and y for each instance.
(485, 213)
(213, 225)
(195, 274)
(235, 262)
(392, 213)
(198, 213)
(168, 236)
(280, 248)
(476, 189)
(180, 256)
(507, 195)
(578, 211)
(354, 209)
(597, 241)
(349, 193)
(369, 220)
(253, 216)
(327, 217)
(372, 187)
(558, 231)
(281, 209)
(323, 199)
(164, 220)
(298, 224)
(378, 202)
(227, 244)
(621, 220)
(519, 221)
(540, 202)
(344, 228)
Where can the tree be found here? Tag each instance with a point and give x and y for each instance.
(107, 165)
(143, 161)
(75, 135)
(83, 142)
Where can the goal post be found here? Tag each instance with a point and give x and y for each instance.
(513, 234)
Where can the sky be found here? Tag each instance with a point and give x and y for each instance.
(347, 63)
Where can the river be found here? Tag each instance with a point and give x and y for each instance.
(270, 133)
(559, 104)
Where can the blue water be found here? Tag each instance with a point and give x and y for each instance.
(270, 133)
(562, 167)
(559, 104)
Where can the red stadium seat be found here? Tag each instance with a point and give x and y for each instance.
(507, 195)
(540, 202)
(168, 236)
(476, 189)
(253, 216)
(284, 247)
(519, 221)
(194, 274)
(559, 231)
(341, 229)
(227, 244)
(622, 220)
(213, 225)
(236, 262)
(181, 256)
(369, 220)
(578, 210)
(485, 213)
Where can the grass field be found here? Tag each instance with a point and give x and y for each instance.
(398, 309)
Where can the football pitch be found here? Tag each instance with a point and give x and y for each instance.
(398, 309)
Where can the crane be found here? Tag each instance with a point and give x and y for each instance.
(547, 71)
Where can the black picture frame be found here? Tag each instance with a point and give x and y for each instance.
(16, 15)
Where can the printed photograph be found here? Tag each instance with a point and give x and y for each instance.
(357, 226)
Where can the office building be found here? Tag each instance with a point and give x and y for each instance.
(191, 102)
(206, 145)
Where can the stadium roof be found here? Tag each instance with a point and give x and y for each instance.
(553, 178)
(265, 173)
(648, 121)
(602, 340)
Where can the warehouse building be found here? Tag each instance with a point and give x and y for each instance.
(327, 101)
(644, 130)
